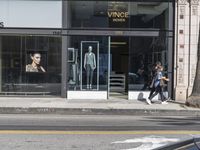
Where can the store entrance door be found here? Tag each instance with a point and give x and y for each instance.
(119, 59)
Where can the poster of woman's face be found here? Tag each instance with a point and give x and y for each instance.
(36, 62)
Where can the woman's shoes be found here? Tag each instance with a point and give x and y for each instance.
(148, 101)
(164, 102)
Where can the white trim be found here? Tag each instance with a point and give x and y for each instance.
(87, 95)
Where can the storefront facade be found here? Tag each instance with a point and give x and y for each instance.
(27, 33)
(86, 49)
(127, 37)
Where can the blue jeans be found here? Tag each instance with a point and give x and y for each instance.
(159, 90)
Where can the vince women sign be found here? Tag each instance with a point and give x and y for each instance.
(118, 16)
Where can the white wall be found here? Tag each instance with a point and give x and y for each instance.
(30, 13)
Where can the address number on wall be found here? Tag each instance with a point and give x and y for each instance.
(56, 32)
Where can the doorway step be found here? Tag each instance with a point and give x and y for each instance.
(118, 95)
(117, 82)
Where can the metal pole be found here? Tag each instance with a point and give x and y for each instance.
(108, 92)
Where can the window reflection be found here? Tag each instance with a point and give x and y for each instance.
(120, 14)
(31, 64)
(144, 53)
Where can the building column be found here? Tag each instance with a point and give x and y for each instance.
(0, 63)
(64, 53)
(64, 68)
(194, 37)
(65, 44)
(169, 40)
(181, 49)
(186, 40)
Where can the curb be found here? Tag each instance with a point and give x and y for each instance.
(96, 111)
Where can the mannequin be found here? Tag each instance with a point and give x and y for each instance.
(89, 65)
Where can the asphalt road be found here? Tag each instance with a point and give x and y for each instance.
(97, 123)
(60, 132)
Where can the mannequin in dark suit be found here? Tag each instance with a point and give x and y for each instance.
(89, 65)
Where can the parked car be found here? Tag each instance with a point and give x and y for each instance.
(190, 144)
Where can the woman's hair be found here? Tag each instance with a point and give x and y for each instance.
(33, 53)
(158, 63)
(160, 67)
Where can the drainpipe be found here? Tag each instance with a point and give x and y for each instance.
(177, 17)
(173, 52)
(189, 48)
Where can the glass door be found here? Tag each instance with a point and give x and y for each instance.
(118, 63)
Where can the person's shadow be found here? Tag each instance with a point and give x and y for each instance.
(141, 97)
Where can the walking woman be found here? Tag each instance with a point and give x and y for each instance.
(158, 85)
(153, 76)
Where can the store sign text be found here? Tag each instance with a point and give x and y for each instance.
(118, 16)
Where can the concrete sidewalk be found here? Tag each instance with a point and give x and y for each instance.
(25, 105)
